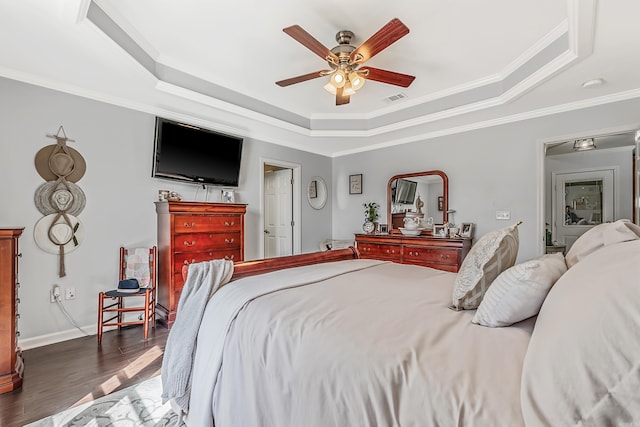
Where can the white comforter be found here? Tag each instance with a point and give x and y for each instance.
(372, 347)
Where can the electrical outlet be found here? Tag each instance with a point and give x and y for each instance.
(71, 293)
(503, 214)
(55, 292)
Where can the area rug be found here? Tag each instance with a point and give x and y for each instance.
(138, 405)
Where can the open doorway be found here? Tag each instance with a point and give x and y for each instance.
(592, 186)
(281, 208)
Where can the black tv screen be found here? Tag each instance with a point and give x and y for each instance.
(191, 154)
(404, 191)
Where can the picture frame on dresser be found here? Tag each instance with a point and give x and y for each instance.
(466, 230)
(439, 231)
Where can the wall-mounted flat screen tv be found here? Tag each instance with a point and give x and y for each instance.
(403, 191)
(191, 154)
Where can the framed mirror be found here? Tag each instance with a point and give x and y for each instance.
(403, 191)
(317, 192)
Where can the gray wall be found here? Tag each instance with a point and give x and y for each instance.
(497, 168)
(117, 144)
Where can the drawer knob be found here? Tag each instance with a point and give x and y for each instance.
(229, 257)
(229, 224)
(20, 255)
(444, 256)
(186, 224)
(186, 261)
(192, 243)
(229, 240)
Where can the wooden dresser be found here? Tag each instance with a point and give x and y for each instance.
(10, 378)
(191, 232)
(436, 252)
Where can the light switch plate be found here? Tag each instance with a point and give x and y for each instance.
(503, 214)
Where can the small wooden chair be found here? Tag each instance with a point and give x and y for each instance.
(129, 267)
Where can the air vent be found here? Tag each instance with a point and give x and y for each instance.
(395, 98)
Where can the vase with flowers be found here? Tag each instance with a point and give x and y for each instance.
(370, 217)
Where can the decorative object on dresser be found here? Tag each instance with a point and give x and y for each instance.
(191, 232)
(370, 217)
(441, 253)
(10, 357)
(466, 229)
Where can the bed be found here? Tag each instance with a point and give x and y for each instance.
(334, 340)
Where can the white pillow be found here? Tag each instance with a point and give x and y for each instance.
(488, 257)
(601, 235)
(582, 367)
(518, 292)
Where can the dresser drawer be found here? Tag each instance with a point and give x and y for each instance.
(199, 242)
(182, 258)
(207, 223)
(379, 251)
(429, 255)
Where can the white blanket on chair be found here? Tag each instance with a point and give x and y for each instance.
(203, 280)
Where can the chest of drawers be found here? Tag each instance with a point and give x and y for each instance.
(191, 232)
(10, 378)
(436, 252)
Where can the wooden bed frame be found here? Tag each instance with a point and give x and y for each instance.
(252, 268)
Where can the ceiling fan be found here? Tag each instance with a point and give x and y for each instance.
(346, 72)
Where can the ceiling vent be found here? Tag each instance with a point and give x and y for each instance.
(395, 98)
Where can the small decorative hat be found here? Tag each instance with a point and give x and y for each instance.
(128, 286)
(52, 162)
(53, 230)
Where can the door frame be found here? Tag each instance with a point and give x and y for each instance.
(295, 201)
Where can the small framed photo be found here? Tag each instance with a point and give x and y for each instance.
(440, 203)
(466, 229)
(439, 231)
(228, 196)
(355, 184)
(383, 228)
(313, 189)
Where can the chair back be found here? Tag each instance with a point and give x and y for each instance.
(139, 263)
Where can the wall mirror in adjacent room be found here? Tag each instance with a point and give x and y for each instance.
(317, 192)
(403, 191)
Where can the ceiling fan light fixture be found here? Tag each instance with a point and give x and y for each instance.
(584, 144)
(357, 81)
(338, 78)
(330, 88)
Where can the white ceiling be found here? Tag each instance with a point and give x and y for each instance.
(216, 63)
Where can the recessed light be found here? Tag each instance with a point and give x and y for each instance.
(593, 83)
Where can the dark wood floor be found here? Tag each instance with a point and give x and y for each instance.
(62, 375)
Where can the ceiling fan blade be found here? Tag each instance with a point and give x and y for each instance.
(341, 98)
(389, 77)
(299, 79)
(309, 42)
(386, 36)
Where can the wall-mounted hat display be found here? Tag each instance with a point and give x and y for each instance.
(60, 199)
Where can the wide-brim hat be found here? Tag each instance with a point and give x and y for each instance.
(71, 235)
(52, 162)
(53, 197)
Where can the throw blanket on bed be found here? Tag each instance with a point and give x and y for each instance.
(203, 280)
(233, 298)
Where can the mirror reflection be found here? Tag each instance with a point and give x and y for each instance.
(317, 192)
(424, 194)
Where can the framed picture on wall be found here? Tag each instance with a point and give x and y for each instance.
(355, 184)
(440, 203)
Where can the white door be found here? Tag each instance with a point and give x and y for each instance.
(582, 200)
(278, 213)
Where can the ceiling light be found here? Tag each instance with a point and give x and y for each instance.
(593, 83)
(584, 144)
(356, 80)
(338, 78)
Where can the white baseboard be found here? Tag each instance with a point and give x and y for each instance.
(56, 337)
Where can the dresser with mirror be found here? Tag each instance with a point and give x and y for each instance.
(443, 253)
